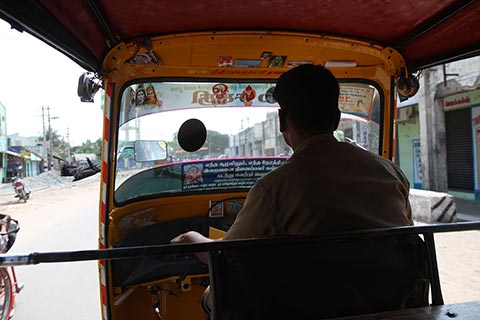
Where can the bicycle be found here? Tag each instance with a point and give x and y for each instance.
(9, 286)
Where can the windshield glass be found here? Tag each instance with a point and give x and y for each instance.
(233, 141)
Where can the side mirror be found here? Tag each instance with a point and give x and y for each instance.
(146, 150)
(88, 85)
(408, 86)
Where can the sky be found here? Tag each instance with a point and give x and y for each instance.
(32, 75)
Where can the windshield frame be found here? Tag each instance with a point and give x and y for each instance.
(376, 103)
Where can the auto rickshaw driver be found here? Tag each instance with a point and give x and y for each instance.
(327, 185)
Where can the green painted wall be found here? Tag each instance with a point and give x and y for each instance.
(407, 132)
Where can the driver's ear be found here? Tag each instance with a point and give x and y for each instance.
(282, 119)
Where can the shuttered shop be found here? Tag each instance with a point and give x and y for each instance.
(459, 149)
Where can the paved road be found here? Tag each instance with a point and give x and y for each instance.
(58, 219)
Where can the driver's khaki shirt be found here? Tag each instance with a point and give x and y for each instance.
(326, 186)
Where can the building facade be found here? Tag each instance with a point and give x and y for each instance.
(261, 139)
(438, 130)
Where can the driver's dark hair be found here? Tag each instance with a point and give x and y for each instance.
(308, 96)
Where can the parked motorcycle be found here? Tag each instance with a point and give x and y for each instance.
(22, 191)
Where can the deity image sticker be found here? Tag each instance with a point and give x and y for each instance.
(277, 61)
(266, 55)
(247, 96)
(193, 174)
(224, 61)
(234, 206)
(220, 91)
(153, 97)
(216, 208)
(247, 63)
(230, 173)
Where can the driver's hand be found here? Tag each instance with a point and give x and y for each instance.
(190, 237)
(193, 237)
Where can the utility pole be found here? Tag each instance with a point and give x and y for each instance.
(50, 159)
(44, 151)
(68, 145)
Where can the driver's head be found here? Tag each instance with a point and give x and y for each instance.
(308, 96)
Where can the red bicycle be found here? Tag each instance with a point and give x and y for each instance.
(9, 286)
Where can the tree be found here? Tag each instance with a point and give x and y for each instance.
(215, 145)
(59, 146)
(89, 147)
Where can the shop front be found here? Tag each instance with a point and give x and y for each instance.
(462, 128)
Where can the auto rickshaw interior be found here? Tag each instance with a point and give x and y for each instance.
(163, 72)
(194, 125)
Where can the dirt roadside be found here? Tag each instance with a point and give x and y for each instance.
(458, 253)
(46, 180)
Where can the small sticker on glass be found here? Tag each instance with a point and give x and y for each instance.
(216, 208)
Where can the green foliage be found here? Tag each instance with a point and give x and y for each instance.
(59, 145)
(216, 142)
(214, 146)
(89, 147)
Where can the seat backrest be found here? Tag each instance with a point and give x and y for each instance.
(319, 280)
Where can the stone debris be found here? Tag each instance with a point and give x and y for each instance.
(44, 180)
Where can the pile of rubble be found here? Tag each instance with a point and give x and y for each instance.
(44, 180)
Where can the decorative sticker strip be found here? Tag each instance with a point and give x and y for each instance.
(226, 174)
(147, 98)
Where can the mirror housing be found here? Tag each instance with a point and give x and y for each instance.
(88, 85)
(407, 86)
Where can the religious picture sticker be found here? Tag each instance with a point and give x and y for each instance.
(216, 208)
(277, 61)
(225, 61)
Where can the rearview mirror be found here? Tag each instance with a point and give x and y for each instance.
(146, 150)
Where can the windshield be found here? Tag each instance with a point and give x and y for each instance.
(236, 126)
